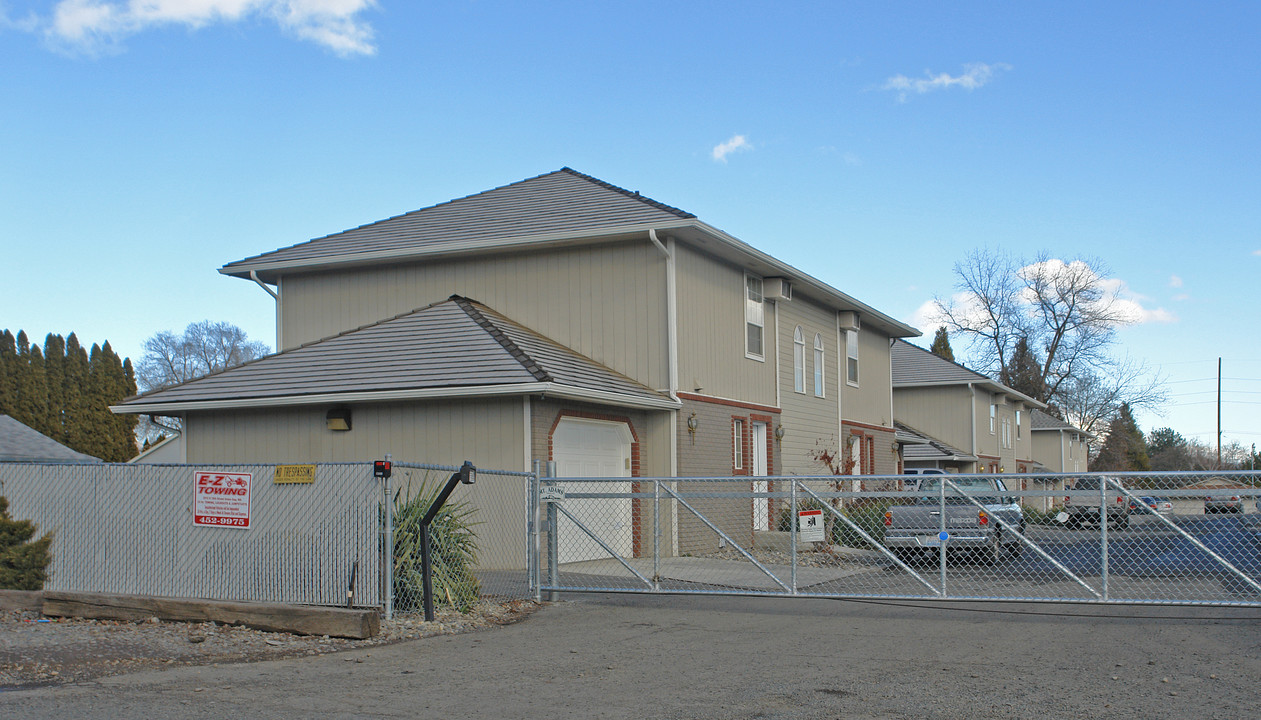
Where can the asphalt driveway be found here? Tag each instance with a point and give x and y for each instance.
(731, 657)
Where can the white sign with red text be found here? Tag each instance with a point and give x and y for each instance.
(221, 499)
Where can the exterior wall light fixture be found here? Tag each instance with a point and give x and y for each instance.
(692, 424)
(338, 419)
(779, 433)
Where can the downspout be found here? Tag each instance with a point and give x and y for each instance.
(972, 405)
(672, 345)
(274, 296)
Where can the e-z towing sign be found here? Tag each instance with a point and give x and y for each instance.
(221, 499)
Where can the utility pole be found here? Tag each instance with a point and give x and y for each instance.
(1219, 413)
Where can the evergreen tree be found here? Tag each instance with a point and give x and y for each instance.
(8, 373)
(1124, 449)
(23, 563)
(1168, 450)
(33, 402)
(55, 373)
(1023, 373)
(941, 345)
(75, 400)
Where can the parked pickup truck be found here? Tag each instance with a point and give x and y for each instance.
(1082, 505)
(911, 529)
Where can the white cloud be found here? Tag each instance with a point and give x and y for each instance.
(1175, 281)
(89, 26)
(974, 76)
(736, 143)
(1129, 304)
(1256, 252)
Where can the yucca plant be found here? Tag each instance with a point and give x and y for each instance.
(453, 550)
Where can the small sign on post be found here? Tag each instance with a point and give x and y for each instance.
(810, 525)
(221, 499)
(551, 493)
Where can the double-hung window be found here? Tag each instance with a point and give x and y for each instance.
(799, 360)
(851, 356)
(754, 323)
(818, 365)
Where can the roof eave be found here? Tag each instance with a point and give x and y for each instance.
(601, 397)
(895, 328)
(269, 271)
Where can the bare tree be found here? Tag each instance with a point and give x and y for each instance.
(169, 359)
(1067, 314)
(205, 347)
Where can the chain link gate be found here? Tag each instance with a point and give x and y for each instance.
(1186, 538)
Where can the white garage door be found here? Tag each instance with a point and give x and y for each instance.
(594, 448)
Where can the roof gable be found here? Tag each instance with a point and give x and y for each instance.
(20, 443)
(448, 349)
(564, 202)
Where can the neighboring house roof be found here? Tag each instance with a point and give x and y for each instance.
(455, 348)
(916, 367)
(560, 208)
(921, 446)
(19, 443)
(1039, 420)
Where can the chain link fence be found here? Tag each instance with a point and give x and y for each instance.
(309, 534)
(228, 532)
(478, 540)
(1189, 538)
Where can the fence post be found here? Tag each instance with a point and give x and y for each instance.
(656, 535)
(1103, 534)
(533, 563)
(792, 533)
(389, 547)
(553, 553)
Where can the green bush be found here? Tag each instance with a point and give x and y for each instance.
(453, 550)
(867, 514)
(1034, 516)
(23, 562)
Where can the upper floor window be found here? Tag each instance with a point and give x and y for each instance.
(753, 317)
(993, 418)
(1007, 432)
(851, 356)
(1018, 432)
(799, 360)
(818, 365)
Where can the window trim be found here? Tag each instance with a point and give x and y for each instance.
(737, 442)
(993, 418)
(852, 375)
(799, 361)
(1019, 434)
(820, 378)
(760, 324)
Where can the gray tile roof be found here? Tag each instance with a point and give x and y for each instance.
(19, 443)
(1039, 420)
(444, 349)
(913, 366)
(927, 447)
(557, 203)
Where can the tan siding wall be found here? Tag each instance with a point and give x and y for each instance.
(607, 302)
(810, 423)
(1048, 450)
(869, 403)
(490, 433)
(941, 412)
(711, 332)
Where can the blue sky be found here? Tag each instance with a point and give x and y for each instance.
(873, 144)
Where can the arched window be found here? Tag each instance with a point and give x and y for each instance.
(818, 365)
(799, 360)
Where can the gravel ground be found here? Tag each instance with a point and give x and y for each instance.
(37, 651)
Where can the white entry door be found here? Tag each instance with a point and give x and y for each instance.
(761, 506)
(594, 448)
